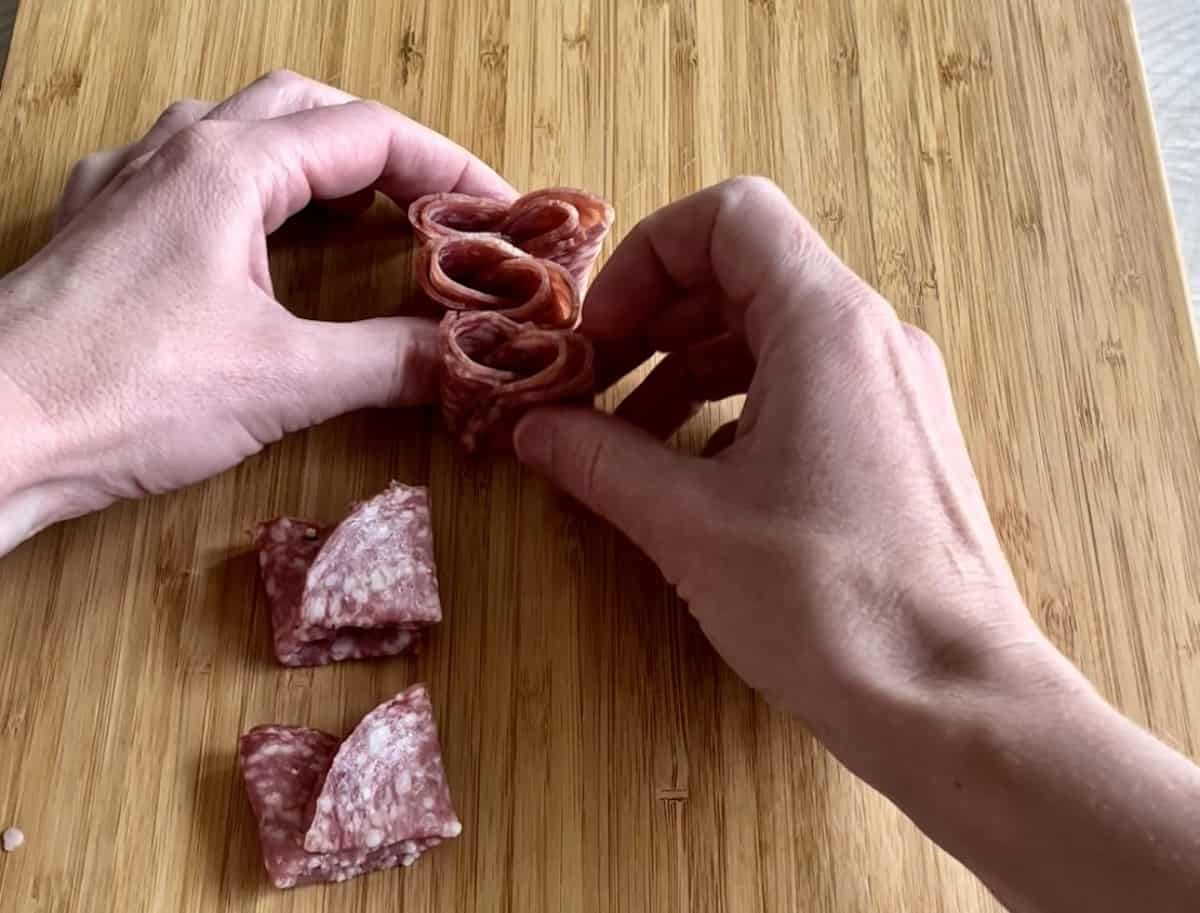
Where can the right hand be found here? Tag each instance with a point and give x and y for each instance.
(834, 545)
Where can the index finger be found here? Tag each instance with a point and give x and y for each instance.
(738, 247)
(334, 151)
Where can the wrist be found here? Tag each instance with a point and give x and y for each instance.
(1045, 791)
(961, 731)
(952, 703)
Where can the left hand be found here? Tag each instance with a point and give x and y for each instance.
(143, 348)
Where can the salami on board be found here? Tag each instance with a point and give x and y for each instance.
(512, 278)
(495, 368)
(362, 589)
(559, 224)
(487, 274)
(386, 782)
(389, 770)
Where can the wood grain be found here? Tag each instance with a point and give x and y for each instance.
(990, 167)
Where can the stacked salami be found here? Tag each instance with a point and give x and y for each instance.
(512, 278)
(328, 811)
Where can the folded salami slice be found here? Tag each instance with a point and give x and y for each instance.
(386, 783)
(513, 278)
(388, 776)
(362, 589)
(453, 215)
(560, 224)
(493, 369)
(487, 274)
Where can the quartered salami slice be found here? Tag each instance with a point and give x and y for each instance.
(286, 768)
(362, 589)
(493, 369)
(559, 224)
(386, 783)
(513, 278)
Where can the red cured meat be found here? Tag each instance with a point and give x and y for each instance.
(285, 768)
(495, 368)
(386, 783)
(487, 274)
(512, 278)
(362, 589)
(560, 224)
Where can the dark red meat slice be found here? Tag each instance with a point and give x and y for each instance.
(513, 279)
(450, 215)
(284, 769)
(487, 274)
(560, 224)
(362, 589)
(386, 783)
(493, 369)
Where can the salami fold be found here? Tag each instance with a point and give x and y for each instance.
(388, 771)
(512, 279)
(362, 589)
(494, 368)
(559, 224)
(386, 782)
(487, 274)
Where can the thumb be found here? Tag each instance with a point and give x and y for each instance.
(615, 469)
(384, 361)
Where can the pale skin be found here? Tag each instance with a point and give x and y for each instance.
(834, 545)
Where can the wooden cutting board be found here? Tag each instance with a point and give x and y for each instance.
(990, 167)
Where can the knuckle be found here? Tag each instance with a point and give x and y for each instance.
(204, 139)
(868, 313)
(372, 107)
(134, 165)
(90, 162)
(81, 169)
(280, 76)
(919, 338)
(180, 109)
(753, 186)
(89, 170)
(203, 147)
(749, 191)
(924, 344)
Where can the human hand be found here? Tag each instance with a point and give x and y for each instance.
(834, 545)
(143, 348)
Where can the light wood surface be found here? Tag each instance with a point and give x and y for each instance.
(990, 167)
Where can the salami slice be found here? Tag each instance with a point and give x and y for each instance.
(453, 215)
(493, 369)
(386, 783)
(285, 769)
(513, 279)
(487, 274)
(362, 589)
(560, 224)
